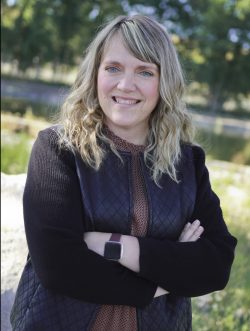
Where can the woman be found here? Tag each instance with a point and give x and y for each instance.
(118, 196)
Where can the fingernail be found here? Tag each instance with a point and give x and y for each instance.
(197, 222)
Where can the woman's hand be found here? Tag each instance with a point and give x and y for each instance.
(191, 232)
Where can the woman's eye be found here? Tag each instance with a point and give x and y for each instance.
(146, 73)
(111, 69)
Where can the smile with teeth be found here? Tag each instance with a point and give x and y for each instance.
(125, 101)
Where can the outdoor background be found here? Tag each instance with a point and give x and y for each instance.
(43, 42)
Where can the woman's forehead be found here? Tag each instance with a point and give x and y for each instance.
(111, 50)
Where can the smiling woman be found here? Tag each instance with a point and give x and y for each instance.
(121, 222)
(128, 91)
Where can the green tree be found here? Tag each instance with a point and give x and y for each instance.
(213, 39)
(222, 39)
(76, 23)
(25, 32)
(36, 32)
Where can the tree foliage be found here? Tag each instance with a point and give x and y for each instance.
(54, 31)
(212, 36)
(213, 40)
(222, 39)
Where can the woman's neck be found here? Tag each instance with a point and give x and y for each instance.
(135, 136)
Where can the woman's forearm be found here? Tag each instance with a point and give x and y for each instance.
(131, 253)
(131, 249)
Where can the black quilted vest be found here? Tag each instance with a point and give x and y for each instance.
(108, 206)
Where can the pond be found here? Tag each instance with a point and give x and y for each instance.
(218, 146)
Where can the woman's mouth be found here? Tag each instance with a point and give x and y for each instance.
(125, 101)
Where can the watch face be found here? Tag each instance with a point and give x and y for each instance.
(112, 250)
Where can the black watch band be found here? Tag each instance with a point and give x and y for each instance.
(115, 237)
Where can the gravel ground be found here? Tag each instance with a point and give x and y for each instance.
(13, 248)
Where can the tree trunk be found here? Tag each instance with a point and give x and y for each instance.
(54, 72)
(36, 62)
(216, 98)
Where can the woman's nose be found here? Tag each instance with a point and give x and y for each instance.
(127, 83)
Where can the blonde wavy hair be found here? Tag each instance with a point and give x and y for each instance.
(82, 119)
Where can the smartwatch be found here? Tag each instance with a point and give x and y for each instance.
(113, 249)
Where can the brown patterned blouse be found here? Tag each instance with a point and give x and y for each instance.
(123, 318)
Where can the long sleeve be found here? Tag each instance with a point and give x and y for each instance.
(193, 268)
(54, 224)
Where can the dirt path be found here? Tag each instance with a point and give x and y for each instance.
(13, 248)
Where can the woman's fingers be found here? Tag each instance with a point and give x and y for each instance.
(191, 232)
(184, 232)
(196, 234)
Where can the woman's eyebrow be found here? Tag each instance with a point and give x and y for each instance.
(111, 62)
(147, 66)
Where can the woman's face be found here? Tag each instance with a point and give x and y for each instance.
(128, 91)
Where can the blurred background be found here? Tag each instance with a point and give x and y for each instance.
(43, 42)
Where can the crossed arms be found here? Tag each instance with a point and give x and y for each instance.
(53, 215)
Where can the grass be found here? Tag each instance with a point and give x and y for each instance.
(17, 136)
(228, 310)
(224, 147)
(20, 107)
(15, 151)
(238, 113)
